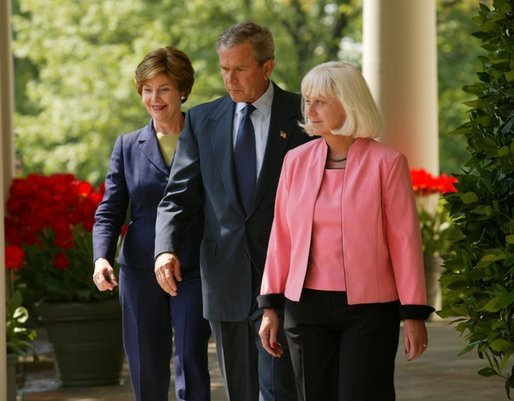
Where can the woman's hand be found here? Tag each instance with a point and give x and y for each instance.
(104, 277)
(167, 272)
(415, 338)
(268, 333)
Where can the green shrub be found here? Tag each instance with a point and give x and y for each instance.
(479, 266)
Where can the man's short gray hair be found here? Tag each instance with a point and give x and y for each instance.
(260, 38)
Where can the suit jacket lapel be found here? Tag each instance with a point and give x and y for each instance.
(149, 146)
(283, 117)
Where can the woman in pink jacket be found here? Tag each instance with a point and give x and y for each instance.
(345, 256)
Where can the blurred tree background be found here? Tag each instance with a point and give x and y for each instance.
(75, 60)
(457, 53)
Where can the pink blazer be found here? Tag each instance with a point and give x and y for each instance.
(381, 237)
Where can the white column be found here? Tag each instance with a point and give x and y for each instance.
(6, 96)
(6, 113)
(400, 65)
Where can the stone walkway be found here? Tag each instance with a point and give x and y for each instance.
(439, 375)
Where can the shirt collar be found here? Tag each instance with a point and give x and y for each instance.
(263, 104)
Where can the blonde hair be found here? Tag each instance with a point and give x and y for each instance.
(336, 79)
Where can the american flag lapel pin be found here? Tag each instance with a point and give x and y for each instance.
(283, 135)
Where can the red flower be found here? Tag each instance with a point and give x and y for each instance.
(13, 257)
(446, 183)
(48, 231)
(425, 183)
(84, 188)
(433, 218)
(64, 239)
(61, 261)
(13, 236)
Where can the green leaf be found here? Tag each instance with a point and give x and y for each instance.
(489, 26)
(498, 325)
(468, 197)
(445, 313)
(471, 103)
(14, 302)
(487, 372)
(493, 256)
(509, 239)
(498, 303)
(500, 345)
(474, 89)
(483, 210)
(504, 151)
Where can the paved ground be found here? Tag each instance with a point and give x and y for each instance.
(440, 375)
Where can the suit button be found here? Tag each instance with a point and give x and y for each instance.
(246, 257)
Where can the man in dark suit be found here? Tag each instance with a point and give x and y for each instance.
(238, 211)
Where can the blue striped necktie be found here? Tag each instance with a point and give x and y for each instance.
(245, 159)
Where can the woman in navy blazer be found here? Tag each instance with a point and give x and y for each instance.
(139, 170)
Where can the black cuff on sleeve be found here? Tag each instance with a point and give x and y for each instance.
(420, 312)
(271, 301)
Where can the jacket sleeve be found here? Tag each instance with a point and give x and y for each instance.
(278, 257)
(183, 196)
(404, 241)
(111, 212)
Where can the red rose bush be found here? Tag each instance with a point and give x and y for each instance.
(48, 227)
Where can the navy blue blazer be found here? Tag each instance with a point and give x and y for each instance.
(133, 188)
(202, 178)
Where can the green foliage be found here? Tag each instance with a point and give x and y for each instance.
(40, 280)
(436, 229)
(19, 336)
(479, 276)
(74, 65)
(75, 62)
(457, 64)
(77, 82)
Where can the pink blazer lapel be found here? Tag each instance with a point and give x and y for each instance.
(303, 200)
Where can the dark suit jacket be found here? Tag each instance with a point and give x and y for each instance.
(202, 178)
(135, 185)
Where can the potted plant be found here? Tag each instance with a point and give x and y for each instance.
(19, 339)
(434, 225)
(48, 228)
